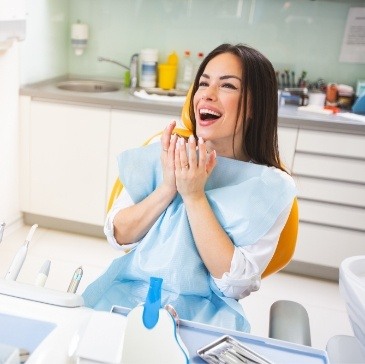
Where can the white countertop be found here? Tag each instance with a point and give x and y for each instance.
(289, 115)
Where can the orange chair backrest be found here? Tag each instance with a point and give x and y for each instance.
(288, 237)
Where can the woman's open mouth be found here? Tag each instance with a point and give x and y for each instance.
(209, 115)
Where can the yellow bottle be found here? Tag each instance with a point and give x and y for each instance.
(173, 59)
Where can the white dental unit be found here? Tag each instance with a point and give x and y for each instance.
(55, 334)
(54, 327)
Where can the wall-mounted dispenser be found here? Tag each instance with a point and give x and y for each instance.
(12, 22)
(79, 37)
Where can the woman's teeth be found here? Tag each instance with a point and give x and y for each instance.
(209, 114)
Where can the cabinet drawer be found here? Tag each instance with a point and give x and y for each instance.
(332, 215)
(327, 246)
(331, 191)
(346, 145)
(341, 169)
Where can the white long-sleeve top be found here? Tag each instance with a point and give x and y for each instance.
(248, 262)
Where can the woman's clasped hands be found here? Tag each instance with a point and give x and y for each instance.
(186, 164)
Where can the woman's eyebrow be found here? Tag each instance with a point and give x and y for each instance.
(229, 76)
(225, 77)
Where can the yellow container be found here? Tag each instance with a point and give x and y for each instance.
(173, 59)
(167, 76)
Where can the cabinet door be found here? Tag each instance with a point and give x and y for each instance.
(68, 161)
(287, 142)
(130, 129)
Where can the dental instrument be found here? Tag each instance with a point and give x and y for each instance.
(228, 350)
(43, 274)
(20, 256)
(75, 281)
(2, 228)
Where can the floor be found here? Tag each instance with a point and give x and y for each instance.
(326, 309)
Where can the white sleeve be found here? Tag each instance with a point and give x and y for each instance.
(249, 262)
(124, 200)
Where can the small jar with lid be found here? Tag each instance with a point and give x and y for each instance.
(148, 61)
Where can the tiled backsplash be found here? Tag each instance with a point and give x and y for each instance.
(297, 34)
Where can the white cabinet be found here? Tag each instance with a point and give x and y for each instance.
(66, 147)
(329, 169)
(68, 156)
(287, 139)
(130, 129)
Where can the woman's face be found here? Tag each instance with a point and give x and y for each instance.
(216, 104)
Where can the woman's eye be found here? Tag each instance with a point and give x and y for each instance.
(203, 84)
(229, 85)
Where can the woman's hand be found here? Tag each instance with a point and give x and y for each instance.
(192, 169)
(168, 146)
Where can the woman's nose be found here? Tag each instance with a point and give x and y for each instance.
(209, 93)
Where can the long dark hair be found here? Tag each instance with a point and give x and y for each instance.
(260, 100)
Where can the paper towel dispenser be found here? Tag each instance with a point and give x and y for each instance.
(12, 20)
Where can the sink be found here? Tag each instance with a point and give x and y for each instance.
(88, 86)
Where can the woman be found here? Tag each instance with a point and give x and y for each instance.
(203, 214)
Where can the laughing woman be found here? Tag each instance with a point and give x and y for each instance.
(205, 214)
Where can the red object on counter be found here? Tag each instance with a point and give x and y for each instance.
(334, 109)
(331, 93)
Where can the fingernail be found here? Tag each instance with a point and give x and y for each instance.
(191, 139)
(201, 141)
(182, 141)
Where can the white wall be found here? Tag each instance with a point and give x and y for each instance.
(41, 55)
(9, 140)
(44, 53)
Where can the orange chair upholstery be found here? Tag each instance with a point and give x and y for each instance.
(288, 237)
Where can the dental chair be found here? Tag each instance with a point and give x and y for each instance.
(288, 320)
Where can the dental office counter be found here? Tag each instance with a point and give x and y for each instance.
(123, 99)
(85, 131)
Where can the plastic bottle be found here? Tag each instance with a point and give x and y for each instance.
(200, 58)
(148, 60)
(173, 59)
(186, 73)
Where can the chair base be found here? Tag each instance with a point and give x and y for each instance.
(289, 321)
